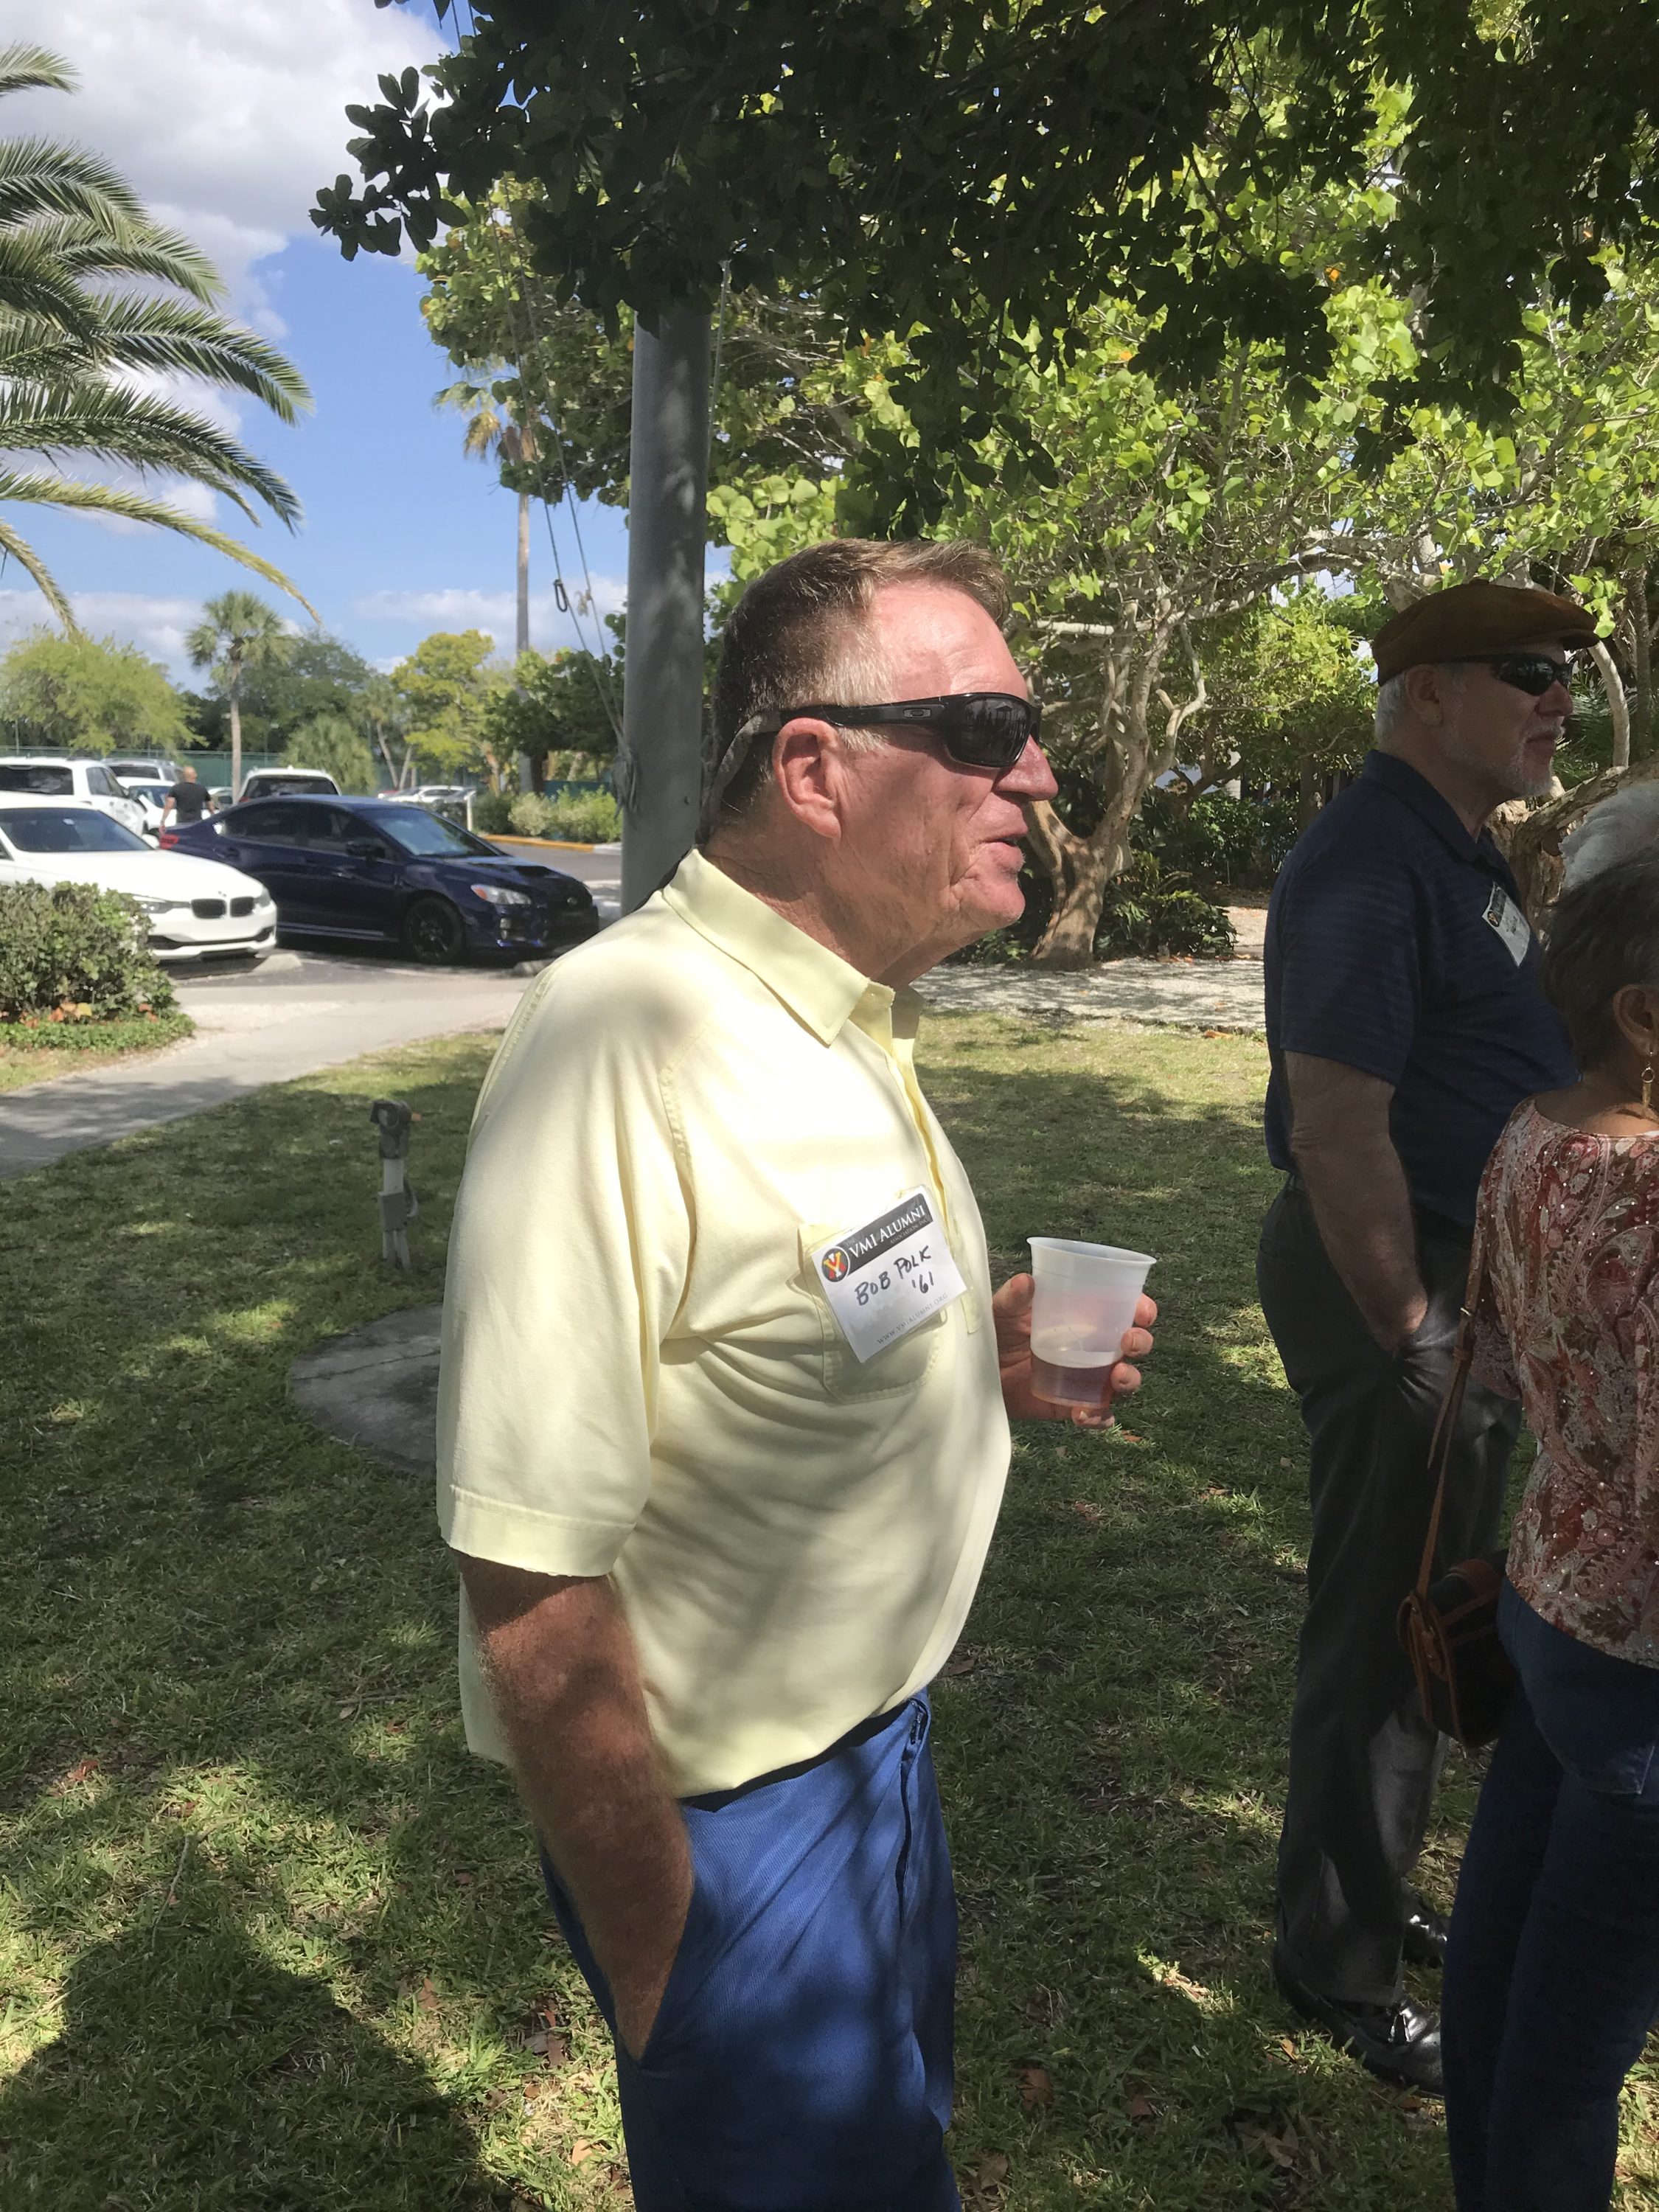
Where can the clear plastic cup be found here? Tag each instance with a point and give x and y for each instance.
(1084, 1303)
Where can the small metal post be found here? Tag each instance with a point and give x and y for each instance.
(398, 1204)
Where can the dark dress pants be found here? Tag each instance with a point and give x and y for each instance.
(1363, 1760)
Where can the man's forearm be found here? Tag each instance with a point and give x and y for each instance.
(564, 1676)
(1363, 1208)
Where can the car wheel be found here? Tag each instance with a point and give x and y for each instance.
(432, 932)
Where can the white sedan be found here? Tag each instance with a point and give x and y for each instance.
(197, 908)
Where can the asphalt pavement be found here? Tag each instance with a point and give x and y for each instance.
(295, 1013)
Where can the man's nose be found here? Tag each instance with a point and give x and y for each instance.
(1031, 776)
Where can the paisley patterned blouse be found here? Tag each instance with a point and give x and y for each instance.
(1569, 1324)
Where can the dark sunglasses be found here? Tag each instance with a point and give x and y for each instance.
(1526, 672)
(981, 729)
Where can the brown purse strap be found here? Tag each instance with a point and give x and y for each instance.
(1451, 1404)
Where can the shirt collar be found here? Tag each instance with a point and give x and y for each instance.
(1410, 785)
(817, 986)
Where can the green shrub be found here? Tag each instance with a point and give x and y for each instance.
(72, 944)
(1219, 840)
(491, 811)
(581, 817)
(1148, 911)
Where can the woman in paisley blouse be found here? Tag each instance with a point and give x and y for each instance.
(1553, 1970)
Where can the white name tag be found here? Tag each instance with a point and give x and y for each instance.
(888, 1277)
(1511, 925)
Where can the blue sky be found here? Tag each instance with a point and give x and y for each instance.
(225, 120)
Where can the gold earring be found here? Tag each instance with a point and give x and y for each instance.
(1647, 1088)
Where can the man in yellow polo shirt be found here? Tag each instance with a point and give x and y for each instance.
(724, 1418)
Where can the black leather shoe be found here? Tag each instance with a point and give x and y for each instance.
(1425, 1933)
(1398, 2043)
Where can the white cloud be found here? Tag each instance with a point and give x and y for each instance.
(226, 119)
(459, 607)
(155, 624)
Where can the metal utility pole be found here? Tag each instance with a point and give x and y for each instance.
(660, 767)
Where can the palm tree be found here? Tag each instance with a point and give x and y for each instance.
(237, 632)
(493, 432)
(80, 350)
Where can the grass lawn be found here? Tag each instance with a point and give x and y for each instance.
(269, 1939)
(67, 1047)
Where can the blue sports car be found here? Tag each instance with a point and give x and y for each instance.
(392, 873)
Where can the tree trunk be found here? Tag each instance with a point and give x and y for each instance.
(235, 741)
(1641, 718)
(1618, 704)
(1307, 793)
(1530, 838)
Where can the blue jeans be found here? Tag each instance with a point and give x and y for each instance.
(1552, 1971)
(802, 2057)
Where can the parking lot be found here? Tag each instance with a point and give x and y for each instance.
(298, 1011)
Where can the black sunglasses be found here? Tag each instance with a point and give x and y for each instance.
(981, 729)
(1526, 672)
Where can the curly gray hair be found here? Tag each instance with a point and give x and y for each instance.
(1623, 828)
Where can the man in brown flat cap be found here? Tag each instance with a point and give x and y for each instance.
(1404, 1024)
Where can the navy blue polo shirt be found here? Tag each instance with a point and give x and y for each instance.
(1385, 952)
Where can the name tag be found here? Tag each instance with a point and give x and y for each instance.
(888, 1277)
(1506, 918)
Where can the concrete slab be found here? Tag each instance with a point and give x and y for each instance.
(377, 1387)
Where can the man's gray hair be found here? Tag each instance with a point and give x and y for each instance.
(1623, 828)
(1391, 706)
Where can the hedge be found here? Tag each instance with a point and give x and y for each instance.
(584, 817)
(71, 946)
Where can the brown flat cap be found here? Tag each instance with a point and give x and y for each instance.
(1470, 619)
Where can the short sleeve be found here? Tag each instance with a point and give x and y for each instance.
(1350, 983)
(568, 1261)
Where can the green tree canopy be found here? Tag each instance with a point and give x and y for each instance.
(331, 742)
(98, 304)
(555, 703)
(951, 173)
(317, 674)
(90, 695)
(445, 690)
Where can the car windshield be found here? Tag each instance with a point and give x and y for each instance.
(428, 833)
(156, 793)
(65, 829)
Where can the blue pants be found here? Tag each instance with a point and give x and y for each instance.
(1552, 1971)
(801, 2061)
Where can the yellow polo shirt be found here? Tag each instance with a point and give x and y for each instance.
(642, 1377)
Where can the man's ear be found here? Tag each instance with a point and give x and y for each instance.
(1428, 688)
(805, 756)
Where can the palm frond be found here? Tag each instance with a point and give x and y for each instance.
(138, 430)
(24, 68)
(46, 584)
(143, 249)
(34, 282)
(135, 506)
(39, 177)
(188, 340)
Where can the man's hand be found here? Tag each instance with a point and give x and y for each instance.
(1010, 1311)
(565, 1681)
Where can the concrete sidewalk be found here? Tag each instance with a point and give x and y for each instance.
(1198, 994)
(302, 1012)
